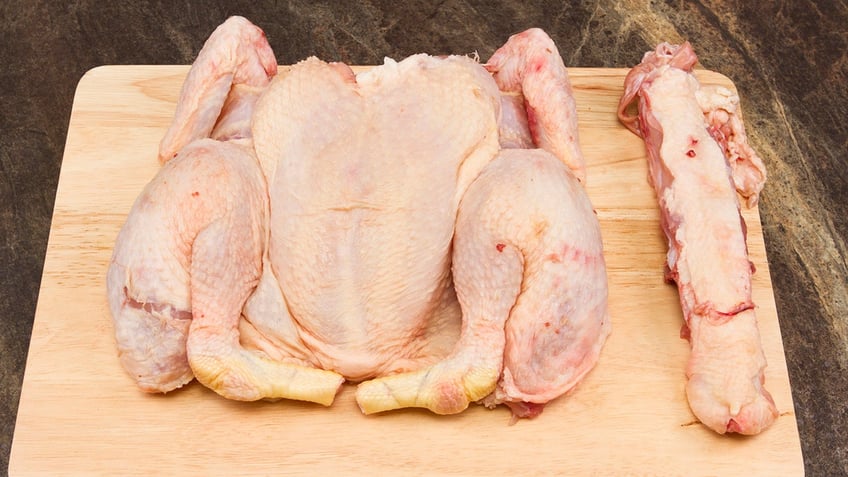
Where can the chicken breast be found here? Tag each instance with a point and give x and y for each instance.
(365, 175)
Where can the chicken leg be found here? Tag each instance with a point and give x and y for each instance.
(190, 253)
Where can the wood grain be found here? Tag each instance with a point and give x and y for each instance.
(80, 414)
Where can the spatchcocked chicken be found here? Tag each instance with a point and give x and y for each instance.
(419, 227)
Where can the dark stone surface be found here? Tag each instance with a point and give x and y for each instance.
(789, 61)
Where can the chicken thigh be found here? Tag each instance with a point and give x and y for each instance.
(205, 186)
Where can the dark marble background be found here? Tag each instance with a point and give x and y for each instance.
(789, 60)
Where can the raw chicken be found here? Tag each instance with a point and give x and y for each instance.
(527, 262)
(190, 253)
(353, 227)
(538, 106)
(707, 256)
(365, 176)
(531, 281)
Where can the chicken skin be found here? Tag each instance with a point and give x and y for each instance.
(312, 226)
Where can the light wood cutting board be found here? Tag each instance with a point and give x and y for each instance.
(80, 414)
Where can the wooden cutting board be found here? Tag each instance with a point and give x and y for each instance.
(80, 414)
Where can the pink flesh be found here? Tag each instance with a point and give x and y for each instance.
(529, 63)
(707, 255)
(367, 289)
(524, 409)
